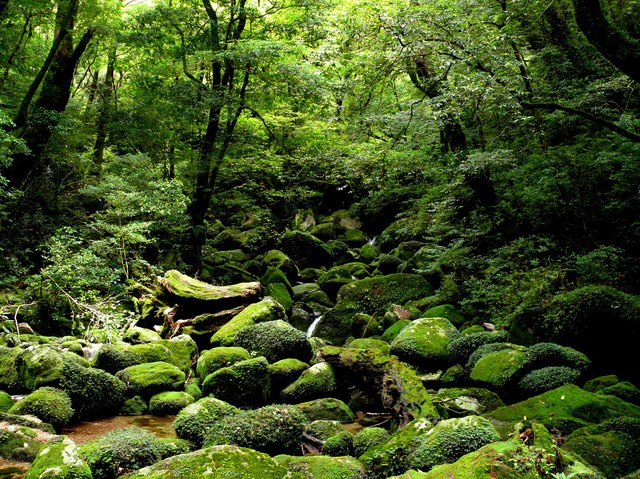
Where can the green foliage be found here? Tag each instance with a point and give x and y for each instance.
(340, 444)
(48, 404)
(194, 422)
(550, 377)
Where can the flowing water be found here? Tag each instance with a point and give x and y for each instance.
(313, 326)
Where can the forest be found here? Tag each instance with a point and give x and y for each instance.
(333, 239)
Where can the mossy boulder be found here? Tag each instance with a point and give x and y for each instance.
(284, 372)
(563, 409)
(370, 343)
(10, 379)
(273, 429)
(340, 444)
(325, 467)
(246, 383)
(151, 378)
(169, 402)
(449, 440)
(461, 348)
(275, 340)
(496, 370)
(5, 401)
(601, 382)
(48, 404)
(391, 456)
(456, 402)
(625, 391)
(277, 259)
(40, 366)
(445, 311)
(135, 406)
(194, 422)
(138, 335)
(59, 458)
(368, 437)
(281, 294)
(327, 408)
(227, 462)
(545, 379)
(130, 449)
(21, 437)
(305, 249)
(425, 341)
(183, 351)
(316, 382)
(266, 310)
(116, 357)
(612, 446)
(392, 331)
(213, 359)
(322, 429)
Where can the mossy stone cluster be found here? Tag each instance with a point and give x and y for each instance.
(194, 422)
(213, 359)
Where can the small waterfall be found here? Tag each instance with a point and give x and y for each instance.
(372, 241)
(313, 326)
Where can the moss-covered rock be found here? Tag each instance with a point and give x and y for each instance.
(138, 335)
(363, 325)
(213, 359)
(322, 429)
(10, 379)
(227, 462)
(545, 379)
(278, 259)
(623, 390)
(194, 422)
(325, 467)
(116, 357)
(424, 342)
(456, 402)
(275, 340)
(368, 437)
(5, 401)
(183, 351)
(169, 402)
(125, 449)
(390, 457)
(284, 372)
(496, 370)
(135, 406)
(151, 378)
(316, 382)
(266, 310)
(370, 343)
(392, 331)
(246, 383)
(281, 294)
(271, 429)
(612, 446)
(305, 249)
(327, 408)
(449, 440)
(601, 382)
(48, 404)
(461, 348)
(563, 409)
(445, 311)
(340, 444)
(21, 437)
(59, 458)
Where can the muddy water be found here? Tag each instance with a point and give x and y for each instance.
(84, 431)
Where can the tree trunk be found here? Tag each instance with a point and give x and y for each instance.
(619, 49)
(104, 114)
(15, 50)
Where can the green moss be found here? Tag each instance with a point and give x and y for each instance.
(194, 422)
(246, 383)
(392, 331)
(316, 382)
(135, 406)
(151, 378)
(275, 340)
(454, 402)
(183, 351)
(271, 429)
(547, 378)
(449, 440)
(367, 253)
(325, 467)
(266, 310)
(364, 325)
(169, 402)
(21, 437)
(498, 369)
(5, 401)
(40, 366)
(368, 437)
(323, 429)
(305, 249)
(404, 392)
(327, 408)
(284, 372)
(129, 449)
(138, 335)
(424, 342)
(445, 311)
(213, 359)
(61, 459)
(48, 404)
(550, 354)
(10, 379)
(226, 461)
(596, 384)
(340, 444)
(370, 343)
(564, 409)
(116, 357)
(623, 390)
(281, 294)
(461, 348)
(390, 457)
(185, 287)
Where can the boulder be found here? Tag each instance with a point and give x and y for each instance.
(368, 437)
(327, 408)
(59, 458)
(266, 310)
(340, 444)
(305, 249)
(22, 437)
(499, 369)
(445, 311)
(425, 342)
(245, 383)
(226, 461)
(456, 402)
(213, 359)
(194, 422)
(275, 340)
(316, 382)
(48, 404)
(150, 378)
(5, 401)
(169, 402)
(322, 429)
(274, 429)
(138, 335)
(312, 467)
(284, 372)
